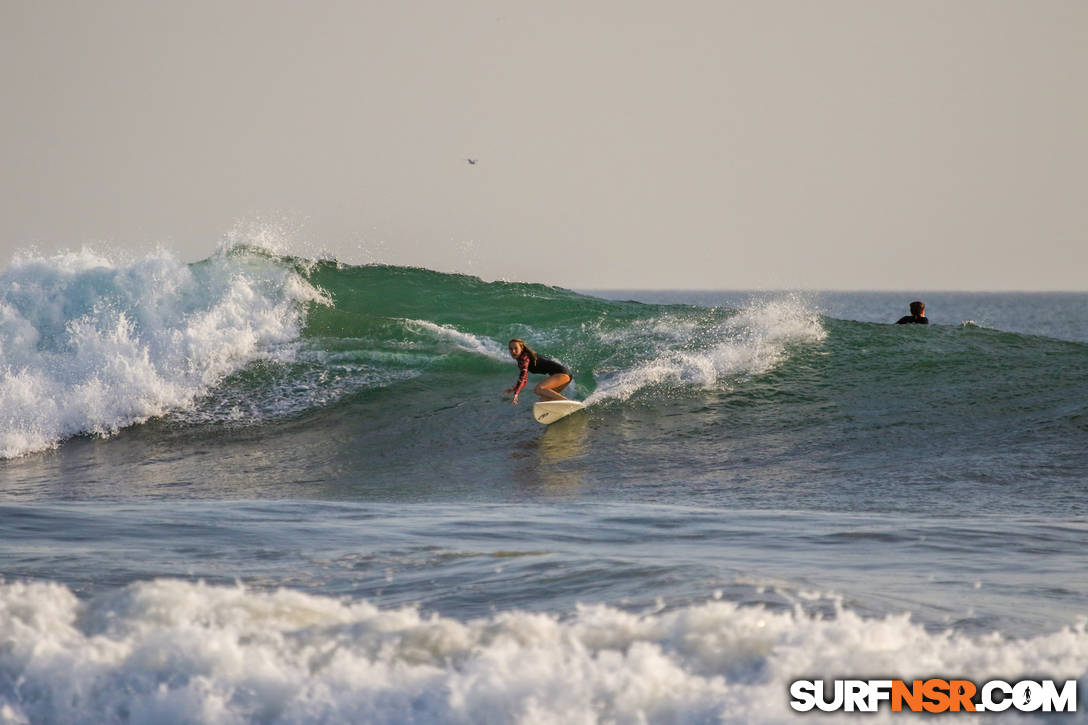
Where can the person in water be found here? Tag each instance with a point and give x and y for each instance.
(917, 315)
(559, 375)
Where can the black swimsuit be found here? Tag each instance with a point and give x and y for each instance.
(547, 366)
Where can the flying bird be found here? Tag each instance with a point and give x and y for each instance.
(472, 161)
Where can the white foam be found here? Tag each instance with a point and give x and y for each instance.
(174, 652)
(91, 345)
(464, 341)
(754, 340)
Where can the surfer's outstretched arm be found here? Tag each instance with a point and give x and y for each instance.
(523, 377)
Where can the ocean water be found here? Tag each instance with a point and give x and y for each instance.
(265, 489)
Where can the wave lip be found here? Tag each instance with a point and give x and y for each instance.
(173, 651)
(90, 346)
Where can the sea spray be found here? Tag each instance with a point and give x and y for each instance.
(704, 353)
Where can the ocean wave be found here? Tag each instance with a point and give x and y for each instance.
(89, 345)
(169, 651)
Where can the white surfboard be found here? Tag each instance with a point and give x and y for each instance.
(549, 411)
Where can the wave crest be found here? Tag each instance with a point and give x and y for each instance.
(89, 345)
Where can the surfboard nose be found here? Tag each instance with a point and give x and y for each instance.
(549, 411)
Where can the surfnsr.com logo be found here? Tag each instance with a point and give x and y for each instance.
(933, 695)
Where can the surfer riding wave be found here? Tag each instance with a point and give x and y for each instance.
(559, 375)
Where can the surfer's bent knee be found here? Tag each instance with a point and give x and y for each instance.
(554, 382)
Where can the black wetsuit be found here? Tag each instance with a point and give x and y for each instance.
(542, 366)
(547, 366)
(913, 320)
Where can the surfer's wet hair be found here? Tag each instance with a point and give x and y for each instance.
(524, 348)
(916, 307)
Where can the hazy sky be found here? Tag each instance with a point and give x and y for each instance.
(706, 144)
